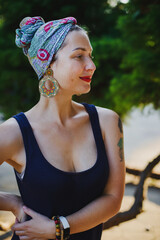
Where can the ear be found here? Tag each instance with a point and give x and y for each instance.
(54, 59)
(52, 65)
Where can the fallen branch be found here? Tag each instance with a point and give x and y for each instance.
(137, 206)
(6, 235)
(137, 172)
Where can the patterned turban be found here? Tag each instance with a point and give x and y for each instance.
(40, 41)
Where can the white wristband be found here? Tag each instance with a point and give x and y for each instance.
(64, 222)
(66, 227)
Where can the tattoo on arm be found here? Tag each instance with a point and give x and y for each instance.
(120, 145)
(120, 125)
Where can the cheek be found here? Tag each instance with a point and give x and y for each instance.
(68, 71)
(76, 70)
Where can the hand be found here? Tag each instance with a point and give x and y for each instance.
(38, 228)
(18, 209)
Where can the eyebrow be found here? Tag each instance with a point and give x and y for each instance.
(80, 48)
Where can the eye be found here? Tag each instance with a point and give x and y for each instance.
(79, 56)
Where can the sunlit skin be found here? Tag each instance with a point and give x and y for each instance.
(73, 61)
(76, 59)
(62, 129)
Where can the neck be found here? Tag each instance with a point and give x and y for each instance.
(59, 108)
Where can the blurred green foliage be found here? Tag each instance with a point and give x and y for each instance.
(126, 49)
(137, 83)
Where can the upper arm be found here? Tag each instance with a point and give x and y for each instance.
(10, 140)
(113, 138)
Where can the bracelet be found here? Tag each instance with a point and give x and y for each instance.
(65, 230)
(58, 229)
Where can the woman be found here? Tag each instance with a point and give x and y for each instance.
(67, 156)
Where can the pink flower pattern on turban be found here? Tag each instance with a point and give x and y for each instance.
(40, 41)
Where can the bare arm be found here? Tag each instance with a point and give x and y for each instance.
(11, 202)
(9, 146)
(10, 141)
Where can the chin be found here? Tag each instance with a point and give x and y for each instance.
(84, 91)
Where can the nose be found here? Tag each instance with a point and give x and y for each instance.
(90, 66)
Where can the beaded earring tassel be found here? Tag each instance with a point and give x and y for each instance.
(53, 88)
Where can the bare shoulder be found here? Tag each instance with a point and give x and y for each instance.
(10, 139)
(108, 118)
(9, 129)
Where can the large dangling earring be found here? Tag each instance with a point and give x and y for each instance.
(48, 86)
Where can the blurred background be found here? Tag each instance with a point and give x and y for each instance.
(125, 36)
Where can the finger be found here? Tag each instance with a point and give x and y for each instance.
(20, 233)
(19, 226)
(24, 238)
(30, 212)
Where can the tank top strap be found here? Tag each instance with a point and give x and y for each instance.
(94, 119)
(27, 133)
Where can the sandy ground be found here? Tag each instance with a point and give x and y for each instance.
(145, 227)
(142, 144)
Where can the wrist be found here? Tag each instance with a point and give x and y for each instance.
(51, 230)
(65, 227)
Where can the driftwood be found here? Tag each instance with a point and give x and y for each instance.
(6, 235)
(137, 206)
(137, 172)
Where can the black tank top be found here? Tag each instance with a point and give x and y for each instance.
(51, 191)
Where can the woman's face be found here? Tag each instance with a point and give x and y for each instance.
(73, 67)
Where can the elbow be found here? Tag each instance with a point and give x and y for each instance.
(118, 206)
(118, 202)
(114, 208)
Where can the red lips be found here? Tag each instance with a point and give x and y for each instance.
(86, 78)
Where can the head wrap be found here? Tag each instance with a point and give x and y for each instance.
(40, 41)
